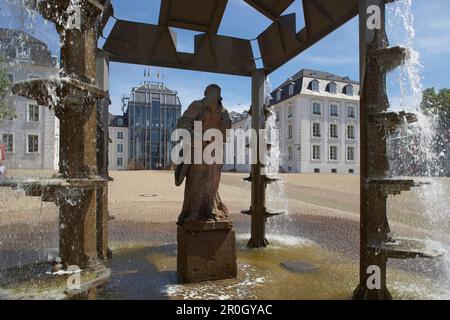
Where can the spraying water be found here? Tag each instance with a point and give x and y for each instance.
(414, 145)
(276, 194)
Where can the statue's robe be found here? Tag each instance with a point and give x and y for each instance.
(201, 195)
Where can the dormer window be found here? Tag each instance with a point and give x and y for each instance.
(291, 89)
(120, 122)
(332, 88)
(348, 90)
(314, 86)
(23, 52)
(278, 95)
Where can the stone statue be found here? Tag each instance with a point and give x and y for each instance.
(201, 196)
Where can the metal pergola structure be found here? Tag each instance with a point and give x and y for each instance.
(148, 44)
(84, 239)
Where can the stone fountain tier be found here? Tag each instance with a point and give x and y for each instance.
(268, 179)
(394, 186)
(400, 248)
(36, 281)
(405, 248)
(80, 194)
(58, 92)
(268, 213)
(390, 58)
(48, 189)
(392, 120)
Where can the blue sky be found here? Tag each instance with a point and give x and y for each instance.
(337, 53)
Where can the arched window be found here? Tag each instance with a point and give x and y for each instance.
(314, 86)
(348, 90)
(332, 88)
(291, 89)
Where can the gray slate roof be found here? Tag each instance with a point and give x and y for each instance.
(297, 80)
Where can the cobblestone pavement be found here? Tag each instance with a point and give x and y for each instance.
(322, 208)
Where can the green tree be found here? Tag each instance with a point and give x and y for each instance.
(6, 110)
(437, 104)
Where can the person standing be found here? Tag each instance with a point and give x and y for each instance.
(2, 159)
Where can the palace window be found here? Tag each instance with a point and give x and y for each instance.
(290, 155)
(120, 148)
(33, 143)
(334, 110)
(317, 108)
(33, 113)
(120, 135)
(350, 153)
(314, 86)
(316, 152)
(8, 140)
(317, 130)
(351, 132)
(278, 95)
(332, 88)
(23, 52)
(348, 90)
(333, 153)
(351, 112)
(291, 90)
(334, 131)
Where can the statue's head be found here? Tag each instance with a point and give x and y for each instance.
(213, 93)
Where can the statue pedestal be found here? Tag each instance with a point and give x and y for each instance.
(206, 251)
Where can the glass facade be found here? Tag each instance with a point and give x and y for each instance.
(153, 111)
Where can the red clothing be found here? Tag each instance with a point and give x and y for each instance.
(2, 151)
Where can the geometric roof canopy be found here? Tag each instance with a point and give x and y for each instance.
(147, 44)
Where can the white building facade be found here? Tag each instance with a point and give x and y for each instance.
(317, 114)
(32, 136)
(243, 122)
(118, 143)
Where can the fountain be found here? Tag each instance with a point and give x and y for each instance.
(259, 177)
(377, 244)
(416, 142)
(81, 188)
